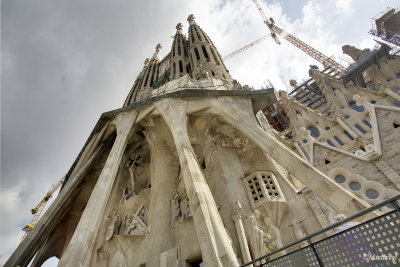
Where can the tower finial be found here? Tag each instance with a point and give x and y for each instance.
(179, 26)
(157, 53)
(190, 19)
(146, 62)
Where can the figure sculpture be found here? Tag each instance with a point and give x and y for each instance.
(175, 211)
(275, 241)
(257, 237)
(185, 209)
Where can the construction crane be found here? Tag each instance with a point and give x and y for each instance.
(37, 211)
(314, 53)
(246, 47)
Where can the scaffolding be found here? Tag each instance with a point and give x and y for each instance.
(386, 27)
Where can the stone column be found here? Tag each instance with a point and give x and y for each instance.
(164, 180)
(49, 220)
(214, 242)
(80, 248)
(237, 218)
(239, 113)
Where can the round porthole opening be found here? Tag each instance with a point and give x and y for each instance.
(372, 194)
(340, 179)
(355, 186)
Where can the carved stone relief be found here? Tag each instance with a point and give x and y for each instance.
(180, 210)
(130, 224)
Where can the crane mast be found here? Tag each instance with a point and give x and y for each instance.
(37, 211)
(314, 53)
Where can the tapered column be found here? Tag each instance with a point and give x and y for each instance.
(214, 242)
(237, 218)
(239, 114)
(80, 248)
(164, 183)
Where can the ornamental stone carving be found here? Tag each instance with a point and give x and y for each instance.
(180, 210)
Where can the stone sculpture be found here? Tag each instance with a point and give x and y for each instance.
(175, 211)
(185, 209)
(258, 237)
(180, 210)
(298, 233)
(132, 224)
(275, 240)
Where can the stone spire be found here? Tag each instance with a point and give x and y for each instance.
(205, 60)
(179, 60)
(151, 73)
(137, 85)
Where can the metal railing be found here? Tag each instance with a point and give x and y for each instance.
(372, 243)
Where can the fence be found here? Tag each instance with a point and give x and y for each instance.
(375, 242)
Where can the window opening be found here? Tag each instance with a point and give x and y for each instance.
(340, 179)
(372, 194)
(180, 66)
(361, 129)
(197, 53)
(205, 52)
(355, 186)
(330, 143)
(314, 131)
(354, 106)
(179, 47)
(367, 123)
(348, 135)
(338, 140)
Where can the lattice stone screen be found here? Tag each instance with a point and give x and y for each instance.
(262, 186)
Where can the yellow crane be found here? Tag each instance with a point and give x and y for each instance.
(314, 53)
(37, 211)
(275, 30)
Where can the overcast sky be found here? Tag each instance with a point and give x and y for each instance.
(66, 62)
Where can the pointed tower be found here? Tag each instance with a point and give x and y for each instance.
(179, 55)
(137, 85)
(151, 73)
(184, 176)
(204, 57)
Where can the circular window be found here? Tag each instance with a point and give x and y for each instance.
(372, 194)
(340, 179)
(304, 141)
(347, 117)
(327, 128)
(373, 102)
(355, 186)
(314, 131)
